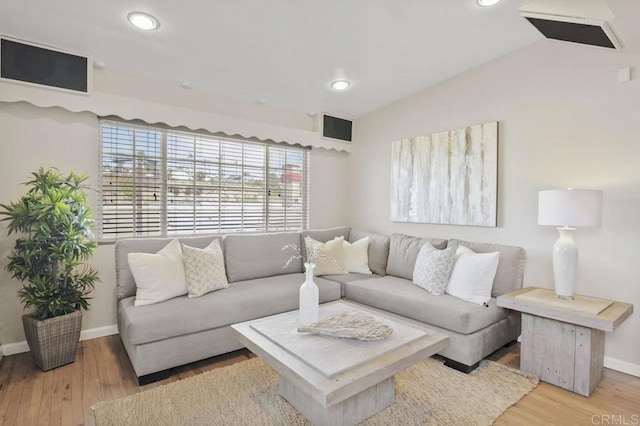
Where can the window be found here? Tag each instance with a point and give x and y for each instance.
(159, 182)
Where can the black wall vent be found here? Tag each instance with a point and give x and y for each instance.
(336, 128)
(28, 63)
(575, 30)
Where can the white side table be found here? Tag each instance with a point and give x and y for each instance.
(563, 340)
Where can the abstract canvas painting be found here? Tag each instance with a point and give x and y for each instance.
(448, 177)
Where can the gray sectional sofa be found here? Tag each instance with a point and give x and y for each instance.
(183, 330)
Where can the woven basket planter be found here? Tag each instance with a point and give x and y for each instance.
(53, 342)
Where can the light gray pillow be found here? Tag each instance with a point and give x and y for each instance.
(433, 268)
(403, 252)
(204, 269)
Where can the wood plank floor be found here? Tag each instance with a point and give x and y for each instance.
(102, 371)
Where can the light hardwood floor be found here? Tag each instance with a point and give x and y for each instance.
(102, 371)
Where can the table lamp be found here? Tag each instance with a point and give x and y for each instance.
(568, 208)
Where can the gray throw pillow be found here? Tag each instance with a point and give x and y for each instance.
(433, 268)
(204, 269)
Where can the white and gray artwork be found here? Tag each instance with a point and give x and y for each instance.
(448, 177)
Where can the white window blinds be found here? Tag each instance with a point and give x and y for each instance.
(159, 182)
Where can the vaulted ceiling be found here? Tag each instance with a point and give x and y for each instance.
(285, 52)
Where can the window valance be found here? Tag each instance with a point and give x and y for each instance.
(104, 104)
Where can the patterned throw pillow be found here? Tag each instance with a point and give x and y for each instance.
(204, 269)
(433, 268)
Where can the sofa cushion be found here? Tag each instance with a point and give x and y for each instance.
(347, 278)
(248, 257)
(403, 252)
(242, 301)
(125, 284)
(402, 297)
(322, 235)
(510, 267)
(378, 250)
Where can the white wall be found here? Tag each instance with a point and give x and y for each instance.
(53, 137)
(123, 84)
(565, 121)
(33, 137)
(329, 191)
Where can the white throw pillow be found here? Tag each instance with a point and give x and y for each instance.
(472, 275)
(328, 257)
(433, 268)
(356, 256)
(158, 276)
(204, 269)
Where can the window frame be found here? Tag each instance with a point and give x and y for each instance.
(165, 159)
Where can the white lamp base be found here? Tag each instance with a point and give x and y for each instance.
(565, 260)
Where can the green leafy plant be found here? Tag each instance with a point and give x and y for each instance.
(54, 222)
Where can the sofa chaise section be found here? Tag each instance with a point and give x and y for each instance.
(475, 331)
(402, 297)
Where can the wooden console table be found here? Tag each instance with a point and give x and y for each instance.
(563, 340)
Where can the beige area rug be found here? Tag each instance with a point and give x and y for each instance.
(246, 393)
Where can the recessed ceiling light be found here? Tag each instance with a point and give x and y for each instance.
(340, 84)
(487, 3)
(144, 21)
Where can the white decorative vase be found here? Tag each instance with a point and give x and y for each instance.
(309, 298)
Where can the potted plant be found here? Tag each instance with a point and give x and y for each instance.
(53, 221)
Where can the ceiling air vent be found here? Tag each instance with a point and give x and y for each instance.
(591, 32)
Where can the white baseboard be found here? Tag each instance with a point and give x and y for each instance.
(15, 348)
(94, 333)
(91, 333)
(622, 366)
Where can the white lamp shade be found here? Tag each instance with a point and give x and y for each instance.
(570, 207)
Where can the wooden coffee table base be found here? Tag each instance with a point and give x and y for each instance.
(334, 381)
(352, 410)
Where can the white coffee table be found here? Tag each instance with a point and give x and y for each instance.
(334, 381)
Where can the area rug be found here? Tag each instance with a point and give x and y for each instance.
(246, 393)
